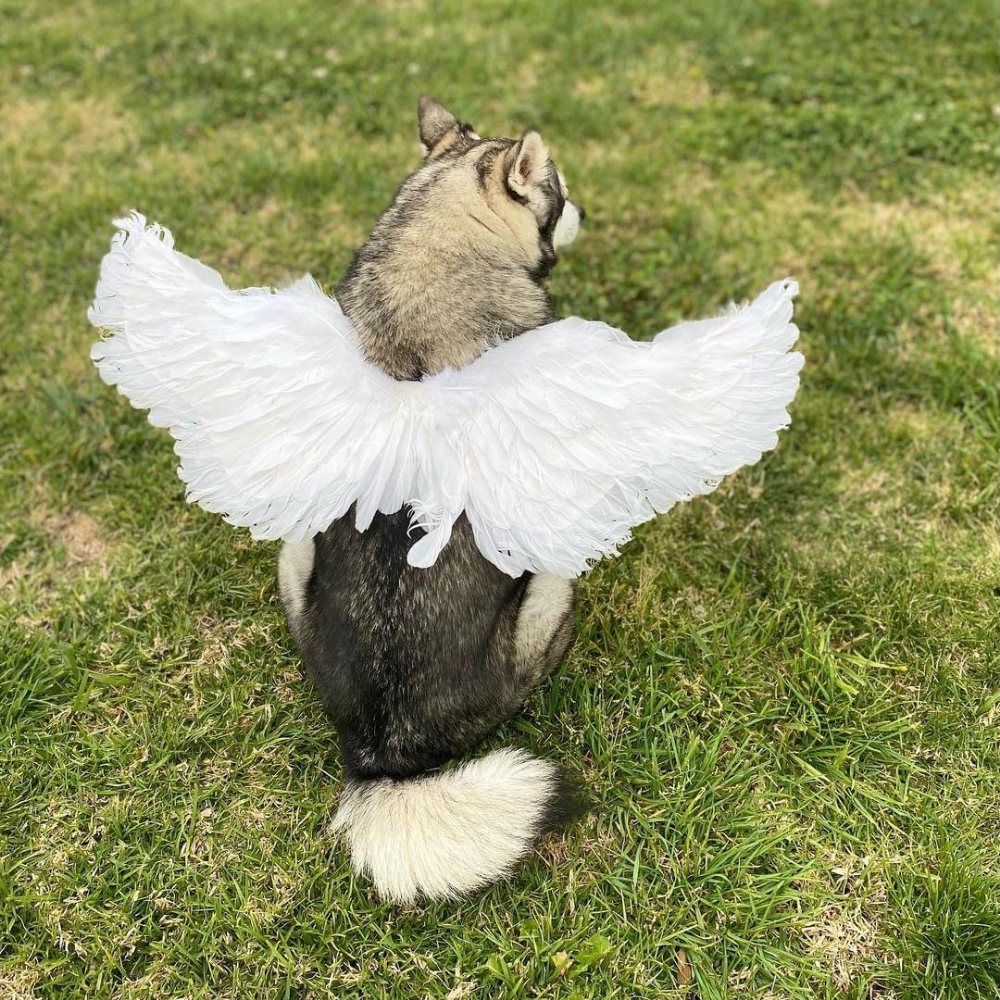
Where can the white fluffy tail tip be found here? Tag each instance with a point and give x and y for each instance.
(447, 834)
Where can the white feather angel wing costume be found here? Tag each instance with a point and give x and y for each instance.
(555, 444)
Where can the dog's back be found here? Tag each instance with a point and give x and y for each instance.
(417, 666)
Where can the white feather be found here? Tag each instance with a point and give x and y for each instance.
(555, 444)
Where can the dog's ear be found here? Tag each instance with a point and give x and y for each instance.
(528, 164)
(434, 122)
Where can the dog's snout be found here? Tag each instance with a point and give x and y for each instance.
(568, 225)
(581, 212)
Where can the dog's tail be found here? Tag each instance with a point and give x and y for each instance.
(445, 834)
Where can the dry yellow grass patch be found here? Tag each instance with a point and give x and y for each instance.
(845, 939)
(75, 549)
(19, 984)
(679, 83)
(877, 487)
(86, 548)
(954, 230)
(52, 137)
(590, 86)
(845, 935)
(979, 322)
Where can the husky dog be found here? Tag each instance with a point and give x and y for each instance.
(417, 666)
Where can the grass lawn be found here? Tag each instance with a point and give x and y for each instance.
(785, 697)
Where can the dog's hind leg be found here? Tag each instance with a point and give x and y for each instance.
(545, 626)
(295, 567)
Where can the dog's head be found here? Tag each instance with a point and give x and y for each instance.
(510, 187)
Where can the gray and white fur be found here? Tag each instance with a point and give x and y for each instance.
(417, 666)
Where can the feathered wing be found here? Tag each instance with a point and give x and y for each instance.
(573, 434)
(555, 444)
(280, 422)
